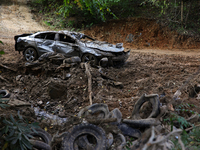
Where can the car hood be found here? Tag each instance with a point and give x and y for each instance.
(105, 46)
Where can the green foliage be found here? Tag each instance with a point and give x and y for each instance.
(185, 107)
(89, 11)
(17, 133)
(182, 122)
(2, 105)
(1, 52)
(191, 140)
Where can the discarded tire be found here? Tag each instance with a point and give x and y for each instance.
(97, 134)
(40, 145)
(153, 99)
(46, 137)
(4, 94)
(95, 108)
(123, 141)
(142, 123)
(128, 131)
(116, 113)
(109, 140)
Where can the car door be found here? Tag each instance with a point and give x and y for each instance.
(67, 45)
(45, 42)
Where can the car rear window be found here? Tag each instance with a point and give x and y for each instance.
(41, 36)
(48, 36)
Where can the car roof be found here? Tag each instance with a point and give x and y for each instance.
(66, 32)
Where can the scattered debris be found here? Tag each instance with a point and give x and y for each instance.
(9, 68)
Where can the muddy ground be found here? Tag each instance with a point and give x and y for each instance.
(161, 62)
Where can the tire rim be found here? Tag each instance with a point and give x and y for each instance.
(30, 55)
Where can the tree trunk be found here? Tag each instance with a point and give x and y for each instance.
(182, 13)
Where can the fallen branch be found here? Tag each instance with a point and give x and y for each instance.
(87, 72)
(188, 129)
(152, 140)
(2, 78)
(9, 68)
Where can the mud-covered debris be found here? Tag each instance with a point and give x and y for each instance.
(142, 123)
(48, 118)
(153, 99)
(116, 113)
(109, 140)
(46, 139)
(18, 103)
(95, 110)
(120, 141)
(154, 140)
(90, 131)
(194, 90)
(9, 68)
(56, 89)
(128, 131)
(3, 79)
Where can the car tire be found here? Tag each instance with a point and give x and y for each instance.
(46, 137)
(90, 58)
(4, 94)
(153, 99)
(30, 54)
(92, 109)
(77, 131)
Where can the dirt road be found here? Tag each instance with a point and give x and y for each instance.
(15, 18)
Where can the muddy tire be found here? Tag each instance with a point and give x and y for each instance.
(46, 137)
(95, 108)
(142, 123)
(40, 145)
(81, 130)
(30, 54)
(116, 113)
(153, 99)
(4, 94)
(90, 58)
(128, 131)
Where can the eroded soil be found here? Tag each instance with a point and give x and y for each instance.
(161, 62)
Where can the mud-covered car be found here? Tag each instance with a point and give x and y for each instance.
(70, 44)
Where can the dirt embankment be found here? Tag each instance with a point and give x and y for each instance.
(139, 33)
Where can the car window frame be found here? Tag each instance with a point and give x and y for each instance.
(71, 43)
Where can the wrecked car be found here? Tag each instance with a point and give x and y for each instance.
(70, 44)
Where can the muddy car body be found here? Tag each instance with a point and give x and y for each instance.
(70, 44)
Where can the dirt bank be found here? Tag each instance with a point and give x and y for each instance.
(142, 33)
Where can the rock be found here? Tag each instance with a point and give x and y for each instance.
(129, 38)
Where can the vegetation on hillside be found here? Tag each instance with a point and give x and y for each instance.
(182, 15)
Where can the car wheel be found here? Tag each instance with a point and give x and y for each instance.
(30, 54)
(90, 58)
(85, 136)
